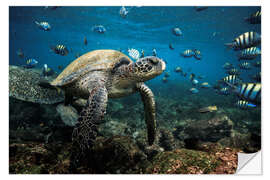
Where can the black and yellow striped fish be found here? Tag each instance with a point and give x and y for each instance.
(245, 40)
(232, 79)
(60, 49)
(249, 53)
(224, 91)
(244, 104)
(233, 71)
(188, 53)
(255, 18)
(250, 92)
(197, 54)
(245, 65)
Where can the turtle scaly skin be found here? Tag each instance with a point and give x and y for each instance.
(149, 110)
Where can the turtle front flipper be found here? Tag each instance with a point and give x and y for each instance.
(149, 111)
(85, 131)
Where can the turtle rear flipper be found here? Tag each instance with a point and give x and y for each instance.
(149, 111)
(91, 116)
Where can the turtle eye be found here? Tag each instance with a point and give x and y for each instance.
(153, 60)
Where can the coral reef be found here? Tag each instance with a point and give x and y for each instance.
(183, 161)
(186, 142)
(119, 154)
(211, 130)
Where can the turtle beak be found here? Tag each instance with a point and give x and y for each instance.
(163, 65)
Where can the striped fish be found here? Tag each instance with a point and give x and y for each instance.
(197, 54)
(244, 104)
(256, 77)
(30, 63)
(43, 25)
(227, 66)
(245, 65)
(60, 49)
(187, 53)
(257, 64)
(249, 53)
(245, 40)
(233, 71)
(255, 18)
(250, 92)
(134, 53)
(232, 79)
(224, 91)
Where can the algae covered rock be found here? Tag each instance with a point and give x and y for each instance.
(248, 142)
(166, 139)
(212, 130)
(114, 127)
(184, 161)
(118, 154)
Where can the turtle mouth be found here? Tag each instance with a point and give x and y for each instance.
(163, 65)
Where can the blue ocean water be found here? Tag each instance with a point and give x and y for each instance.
(143, 28)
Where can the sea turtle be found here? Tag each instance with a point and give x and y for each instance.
(102, 74)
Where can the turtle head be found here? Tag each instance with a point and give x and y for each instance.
(147, 68)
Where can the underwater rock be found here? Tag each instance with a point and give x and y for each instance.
(183, 161)
(117, 154)
(23, 114)
(248, 142)
(40, 158)
(211, 130)
(114, 127)
(166, 139)
(36, 122)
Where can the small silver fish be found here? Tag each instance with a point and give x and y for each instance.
(43, 25)
(233, 71)
(123, 12)
(99, 28)
(224, 91)
(194, 90)
(227, 66)
(177, 31)
(154, 52)
(245, 65)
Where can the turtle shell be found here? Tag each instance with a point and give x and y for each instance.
(98, 60)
